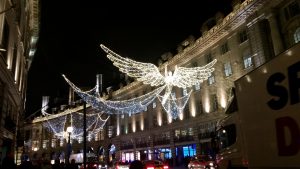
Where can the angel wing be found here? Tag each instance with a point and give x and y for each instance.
(147, 73)
(187, 77)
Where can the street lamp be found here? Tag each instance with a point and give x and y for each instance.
(69, 130)
(69, 148)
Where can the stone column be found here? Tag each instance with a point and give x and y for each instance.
(134, 148)
(196, 138)
(172, 147)
(260, 42)
(275, 33)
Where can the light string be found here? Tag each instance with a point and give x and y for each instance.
(57, 125)
(130, 106)
(174, 106)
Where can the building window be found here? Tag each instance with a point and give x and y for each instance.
(211, 80)
(45, 144)
(227, 69)
(297, 35)
(122, 129)
(214, 102)
(247, 61)
(224, 48)
(243, 36)
(154, 105)
(173, 95)
(53, 143)
(184, 91)
(197, 86)
(291, 10)
(61, 142)
(208, 57)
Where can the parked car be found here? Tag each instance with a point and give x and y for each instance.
(202, 162)
(154, 164)
(120, 165)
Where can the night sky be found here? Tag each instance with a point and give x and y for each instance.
(71, 32)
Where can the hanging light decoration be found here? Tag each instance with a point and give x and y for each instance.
(130, 106)
(57, 124)
(174, 106)
(148, 73)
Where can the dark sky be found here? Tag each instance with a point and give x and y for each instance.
(72, 30)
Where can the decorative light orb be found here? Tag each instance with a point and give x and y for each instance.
(70, 129)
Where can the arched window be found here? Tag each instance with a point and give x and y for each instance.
(297, 35)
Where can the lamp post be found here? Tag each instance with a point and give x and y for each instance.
(69, 130)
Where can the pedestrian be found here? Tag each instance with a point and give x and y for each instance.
(8, 161)
(136, 164)
(72, 165)
(56, 164)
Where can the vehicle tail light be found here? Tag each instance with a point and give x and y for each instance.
(166, 167)
(150, 167)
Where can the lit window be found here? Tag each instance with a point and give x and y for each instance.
(247, 61)
(211, 80)
(297, 35)
(184, 91)
(45, 144)
(61, 142)
(53, 143)
(197, 86)
(154, 105)
(227, 69)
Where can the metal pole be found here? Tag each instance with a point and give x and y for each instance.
(99, 84)
(68, 149)
(84, 135)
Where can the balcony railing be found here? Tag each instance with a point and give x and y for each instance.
(124, 147)
(183, 139)
(162, 142)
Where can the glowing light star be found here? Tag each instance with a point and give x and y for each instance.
(148, 73)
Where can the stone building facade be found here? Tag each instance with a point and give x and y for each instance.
(19, 32)
(253, 33)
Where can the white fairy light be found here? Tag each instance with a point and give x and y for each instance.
(130, 106)
(174, 106)
(148, 73)
(57, 124)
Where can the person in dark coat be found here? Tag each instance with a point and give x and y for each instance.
(8, 161)
(136, 164)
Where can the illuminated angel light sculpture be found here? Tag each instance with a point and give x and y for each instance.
(130, 106)
(148, 73)
(56, 123)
